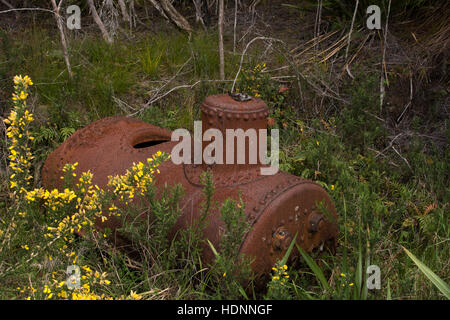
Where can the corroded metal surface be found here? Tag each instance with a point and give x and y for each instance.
(277, 206)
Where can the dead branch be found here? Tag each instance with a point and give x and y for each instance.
(252, 9)
(319, 39)
(317, 23)
(174, 15)
(221, 54)
(403, 158)
(389, 146)
(361, 45)
(234, 25)
(349, 39)
(410, 98)
(6, 3)
(160, 10)
(62, 36)
(383, 66)
(99, 22)
(198, 12)
(27, 9)
(245, 50)
(158, 97)
(123, 9)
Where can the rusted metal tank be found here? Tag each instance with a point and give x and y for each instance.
(277, 206)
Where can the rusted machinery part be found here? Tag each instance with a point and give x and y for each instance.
(105, 147)
(277, 206)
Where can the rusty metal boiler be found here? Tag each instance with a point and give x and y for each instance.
(277, 206)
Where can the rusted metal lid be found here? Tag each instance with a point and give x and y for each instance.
(226, 103)
(223, 106)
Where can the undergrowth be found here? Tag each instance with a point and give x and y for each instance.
(386, 198)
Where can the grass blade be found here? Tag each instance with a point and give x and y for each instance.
(288, 252)
(358, 276)
(438, 282)
(388, 294)
(243, 293)
(315, 268)
(212, 248)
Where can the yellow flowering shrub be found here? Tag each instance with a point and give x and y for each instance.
(40, 229)
(253, 80)
(279, 286)
(19, 136)
(257, 82)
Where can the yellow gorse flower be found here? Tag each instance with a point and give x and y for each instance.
(19, 136)
(82, 199)
(23, 95)
(280, 273)
(135, 296)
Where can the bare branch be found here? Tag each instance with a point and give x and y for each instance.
(62, 36)
(383, 65)
(175, 16)
(349, 38)
(27, 9)
(6, 3)
(123, 9)
(99, 22)
(245, 50)
(221, 54)
(198, 12)
(158, 7)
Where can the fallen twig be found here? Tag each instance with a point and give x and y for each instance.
(404, 159)
(389, 146)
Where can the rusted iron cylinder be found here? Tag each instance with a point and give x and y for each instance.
(277, 206)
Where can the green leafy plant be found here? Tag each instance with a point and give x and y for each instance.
(231, 269)
(440, 284)
(279, 287)
(151, 62)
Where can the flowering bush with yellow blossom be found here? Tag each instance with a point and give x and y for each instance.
(256, 81)
(279, 286)
(39, 233)
(253, 81)
(19, 136)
